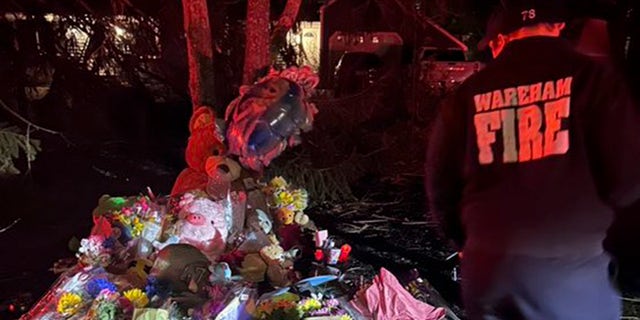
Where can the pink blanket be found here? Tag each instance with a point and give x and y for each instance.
(386, 299)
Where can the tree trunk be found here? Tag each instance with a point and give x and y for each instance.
(200, 52)
(256, 56)
(288, 17)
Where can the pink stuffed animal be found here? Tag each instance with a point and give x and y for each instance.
(203, 224)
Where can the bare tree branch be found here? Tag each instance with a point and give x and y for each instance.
(31, 124)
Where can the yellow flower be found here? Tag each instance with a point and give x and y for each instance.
(138, 227)
(138, 298)
(345, 317)
(122, 218)
(283, 198)
(310, 305)
(278, 183)
(69, 304)
(300, 199)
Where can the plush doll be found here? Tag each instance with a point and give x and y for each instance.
(280, 264)
(273, 254)
(204, 142)
(285, 216)
(253, 268)
(203, 224)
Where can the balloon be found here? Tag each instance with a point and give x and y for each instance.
(270, 115)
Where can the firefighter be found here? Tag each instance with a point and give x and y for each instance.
(528, 160)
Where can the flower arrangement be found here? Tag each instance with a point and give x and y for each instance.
(105, 306)
(323, 308)
(93, 252)
(136, 297)
(97, 286)
(136, 227)
(122, 226)
(310, 304)
(105, 302)
(291, 307)
(278, 309)
(283, 195)
(287, 203)
(69, 304)
(134, 216)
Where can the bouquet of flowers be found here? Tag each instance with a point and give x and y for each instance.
(291, 306)
(287, 204)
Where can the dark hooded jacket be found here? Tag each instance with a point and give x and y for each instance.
(533, 154)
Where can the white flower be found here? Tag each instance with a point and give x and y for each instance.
(92, 251)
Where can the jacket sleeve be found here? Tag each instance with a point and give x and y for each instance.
(613, 140)
(443, 180)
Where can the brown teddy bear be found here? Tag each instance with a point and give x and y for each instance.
(205, 155)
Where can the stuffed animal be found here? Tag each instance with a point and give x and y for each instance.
(273, 254)
(285, 216)
(258, 220)
(203, 224)
(205, 141)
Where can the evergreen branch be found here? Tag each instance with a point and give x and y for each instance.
(28, 147)
(31, 124)
(11, 143)
(27, 122)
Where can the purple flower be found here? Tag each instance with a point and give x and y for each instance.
(332, 303)
(109, 243)
(155, 287)
(321, 312)
(95, 286)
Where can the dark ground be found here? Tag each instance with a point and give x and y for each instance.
(55, 201)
